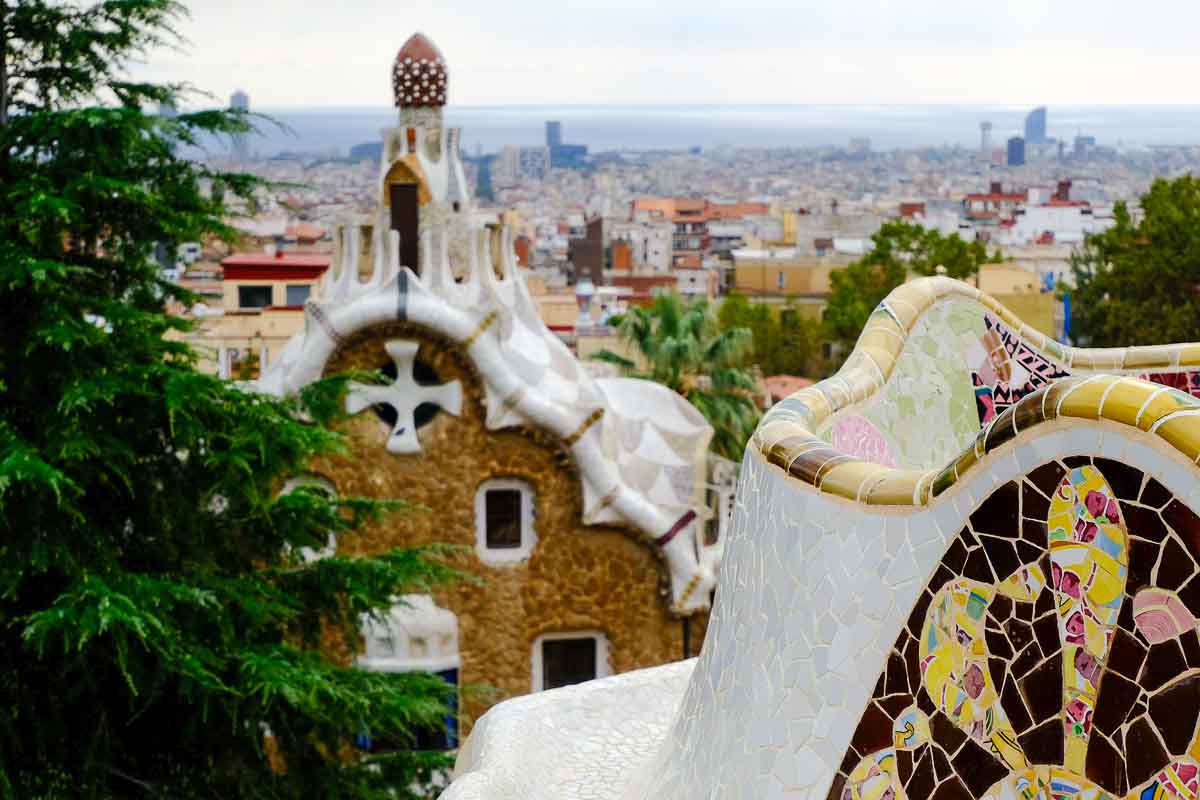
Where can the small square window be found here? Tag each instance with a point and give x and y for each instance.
(564, 659)
(503, 518)
(254, 296)
(504, 521)
(297, 294)
(568, 661)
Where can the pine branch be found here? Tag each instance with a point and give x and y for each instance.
(4, 67)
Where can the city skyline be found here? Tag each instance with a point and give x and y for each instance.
(769, 52)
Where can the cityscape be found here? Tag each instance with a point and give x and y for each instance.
(433, 402)
(769, 223)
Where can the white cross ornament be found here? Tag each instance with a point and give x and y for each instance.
(404, 395)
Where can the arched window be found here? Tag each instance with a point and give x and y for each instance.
(504, 512)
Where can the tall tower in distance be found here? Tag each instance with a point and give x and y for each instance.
(1035, 126)
(985, 138)
(1016, 152)
(240, 101)
(553, 134)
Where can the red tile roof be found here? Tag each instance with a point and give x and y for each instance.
(279, 259)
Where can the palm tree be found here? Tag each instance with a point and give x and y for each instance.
(683, 348)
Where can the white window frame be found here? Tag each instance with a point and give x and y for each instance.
(603, 655)
(308, 554)
(506, 556)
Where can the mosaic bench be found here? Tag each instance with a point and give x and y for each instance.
(966, 566)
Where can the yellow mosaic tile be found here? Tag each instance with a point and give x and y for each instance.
(845, 480)
(885, 360)
(895, 488)
(816, 400)
(1054, 393)
(1183, 433)
(811, 464)
(1189, 355)
(1159, 404)
(967, 459)
(1033, 336)
(1106, 359)
(1083, 399)
(1125, 401)
(785, 450)
(1160, 356)
(859, 366)
(908, 301)
(881, 329)
(1056, 351)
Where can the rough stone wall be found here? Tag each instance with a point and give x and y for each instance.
(578, 578)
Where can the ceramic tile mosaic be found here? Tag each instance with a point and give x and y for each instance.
(925, 413)
(1054, 652)
(1004, 369)
(1018, 621)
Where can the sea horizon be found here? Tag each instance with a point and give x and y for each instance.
(604, 127)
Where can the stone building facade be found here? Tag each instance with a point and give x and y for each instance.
(577, 578)
(582, 505)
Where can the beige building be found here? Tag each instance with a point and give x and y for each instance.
(783, 275)
(262, 306)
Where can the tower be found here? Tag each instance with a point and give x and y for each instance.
(239, 101)
(985, 138)
(1016, 152)
(422, 177)
(1035, 126)
(553, 134)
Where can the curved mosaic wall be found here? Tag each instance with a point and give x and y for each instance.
(936, 369)
(1053, 654)
(967, 566)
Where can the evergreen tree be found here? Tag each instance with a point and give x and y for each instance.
(159, 628)
(683, 347)
(1139, 282)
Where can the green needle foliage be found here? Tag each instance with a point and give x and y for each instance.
(159, 627)
(683, 347)
(899, 249)
(1139, 282)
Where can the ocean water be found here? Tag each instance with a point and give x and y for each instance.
(488, 128)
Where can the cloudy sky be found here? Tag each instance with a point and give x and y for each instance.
(289, 54)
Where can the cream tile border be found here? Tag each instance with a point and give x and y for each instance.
(786, 436)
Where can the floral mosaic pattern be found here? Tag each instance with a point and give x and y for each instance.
(1004, 369)
(854, 433)
(1054, 654)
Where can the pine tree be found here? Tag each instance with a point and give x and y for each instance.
(159, 628)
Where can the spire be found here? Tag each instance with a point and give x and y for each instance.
(419, 76)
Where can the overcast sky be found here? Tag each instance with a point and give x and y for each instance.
(1023, 52)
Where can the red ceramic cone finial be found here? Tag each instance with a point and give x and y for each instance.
(419, 76)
